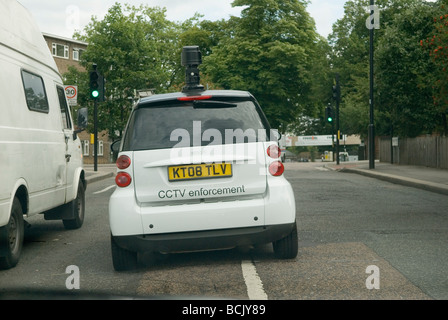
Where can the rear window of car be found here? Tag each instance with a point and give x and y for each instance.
(190, 123)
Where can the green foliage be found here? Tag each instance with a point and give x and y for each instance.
(350, 59)
(270, 53)
(134, 49)
(81, 79)
(402, 95)
(401, 64)
(436, 46)
(274, 51)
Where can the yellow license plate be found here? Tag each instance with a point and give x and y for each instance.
(200, 171)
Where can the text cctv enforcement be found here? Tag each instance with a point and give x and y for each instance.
(177, 193)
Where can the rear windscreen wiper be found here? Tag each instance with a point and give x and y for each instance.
(197, 104)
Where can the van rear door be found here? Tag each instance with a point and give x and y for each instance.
(70, 148)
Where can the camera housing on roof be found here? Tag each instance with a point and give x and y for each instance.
(191, 59)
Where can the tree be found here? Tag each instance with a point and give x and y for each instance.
(270, 53)
(206, 34)
(436, 46)
(398, 67)
(81, 80)
(349, 58)
(401, 65)
(134, 49)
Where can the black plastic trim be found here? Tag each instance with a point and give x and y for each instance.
(204, 240)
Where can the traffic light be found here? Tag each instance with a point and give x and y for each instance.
(329, 114)
(336, 92)
(96, 85)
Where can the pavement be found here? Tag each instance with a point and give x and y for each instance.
(430, 179)
(102, 171)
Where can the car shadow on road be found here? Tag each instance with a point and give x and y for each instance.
(159, 261)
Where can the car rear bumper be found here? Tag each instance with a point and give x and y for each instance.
(127, 217)
(203, 240)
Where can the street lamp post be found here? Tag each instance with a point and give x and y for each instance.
(371, 123)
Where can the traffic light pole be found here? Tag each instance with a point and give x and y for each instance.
(95, 135)
(97, 87)
(332, 138)
(338, 96)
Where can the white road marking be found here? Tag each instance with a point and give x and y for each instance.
(105, 189)
(253, 282)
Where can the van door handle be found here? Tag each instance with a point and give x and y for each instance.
(67, 157)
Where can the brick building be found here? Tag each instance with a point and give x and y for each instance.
(67, 52)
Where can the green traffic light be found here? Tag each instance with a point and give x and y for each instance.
(95, 93)
(330, 119)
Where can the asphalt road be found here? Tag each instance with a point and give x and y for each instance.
(404, 228)
(355, 233)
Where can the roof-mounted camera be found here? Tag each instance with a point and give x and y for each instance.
(191, 59)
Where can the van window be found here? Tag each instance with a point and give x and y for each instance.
(66, 124)
(35, 95)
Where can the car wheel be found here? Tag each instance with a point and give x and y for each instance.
(287, 247)
(122, 259)
(11, 237)
(78, 206)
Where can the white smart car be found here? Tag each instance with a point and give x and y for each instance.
(199, 170)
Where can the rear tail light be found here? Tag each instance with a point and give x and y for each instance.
(276, 168)
(123, 179)
(123, 162)
(274, 151)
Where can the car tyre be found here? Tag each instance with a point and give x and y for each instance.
(287, 247)
(78, 206)
(122, 259)
(11, 237)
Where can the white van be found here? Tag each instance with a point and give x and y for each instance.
(40, 155)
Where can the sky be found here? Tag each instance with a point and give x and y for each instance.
(63, 17)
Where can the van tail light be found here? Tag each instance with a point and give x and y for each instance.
(123, 162)
(123, 179)
(274, 151)
(276, 168)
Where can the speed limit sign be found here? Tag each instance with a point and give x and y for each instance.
(72, 93)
